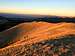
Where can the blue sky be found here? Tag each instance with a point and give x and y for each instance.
(64, 4)
(39, 4)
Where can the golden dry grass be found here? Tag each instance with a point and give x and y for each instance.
(18, 38)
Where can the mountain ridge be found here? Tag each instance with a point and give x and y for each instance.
(28, 30)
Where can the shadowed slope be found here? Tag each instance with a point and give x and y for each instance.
(32, 33)
(21, 31)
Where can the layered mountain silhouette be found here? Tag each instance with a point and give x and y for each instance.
(38, 38)
(30, 17)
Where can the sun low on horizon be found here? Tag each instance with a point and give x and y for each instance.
(41, 7)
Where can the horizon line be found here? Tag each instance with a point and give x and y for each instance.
(63, 13)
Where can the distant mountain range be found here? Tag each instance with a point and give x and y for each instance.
(28, 18)
(21, 16)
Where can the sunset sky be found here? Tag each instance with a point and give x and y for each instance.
(45, 7)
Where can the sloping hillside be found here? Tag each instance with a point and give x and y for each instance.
(27, 34)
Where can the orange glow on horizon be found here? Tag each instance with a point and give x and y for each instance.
(40, 12)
